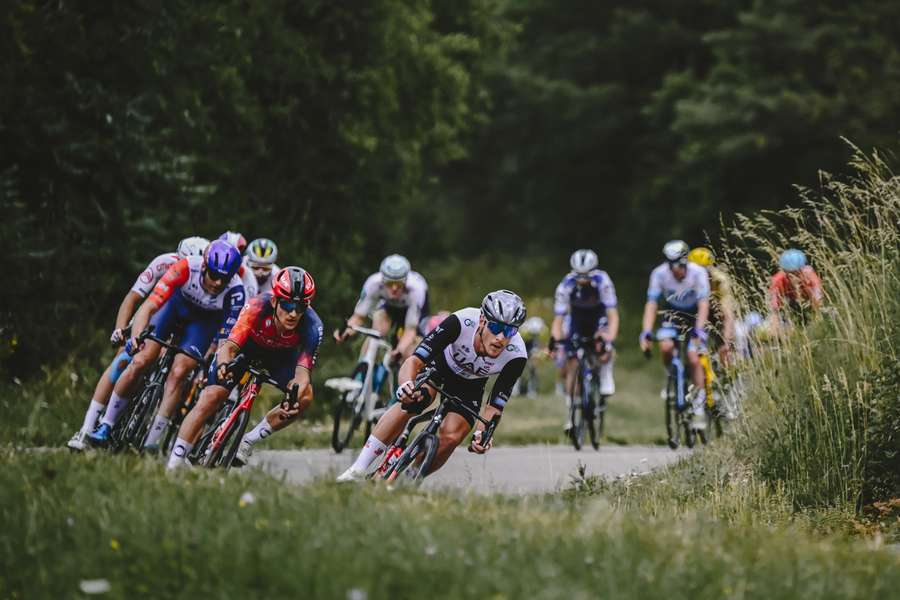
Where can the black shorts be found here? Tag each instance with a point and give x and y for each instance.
(469, 392)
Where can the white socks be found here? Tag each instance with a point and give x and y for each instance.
(179, 453)
(91, 416)
(117, 404)
(373, 449)
(700, 402)
(156, 430)
(260, 432)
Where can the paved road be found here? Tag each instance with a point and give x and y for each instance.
(516, 470)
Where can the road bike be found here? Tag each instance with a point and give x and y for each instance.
(220, 448)
(587, 407)
(359, 396)
(136, 424)
(415, 459)
(677, 400)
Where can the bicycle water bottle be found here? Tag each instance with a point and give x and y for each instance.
(378, 378)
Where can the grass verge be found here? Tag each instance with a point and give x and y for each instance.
(71, 518)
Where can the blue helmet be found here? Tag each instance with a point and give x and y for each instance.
(222, 258)
(792, 260)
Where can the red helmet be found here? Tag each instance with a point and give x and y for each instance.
(294, 283)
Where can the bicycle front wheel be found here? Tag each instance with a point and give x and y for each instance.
(139, 420)
(576, 420)
(673, 417)
(416, 459)
(348, 412)
(596, 414)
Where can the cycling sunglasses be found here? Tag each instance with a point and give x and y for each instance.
(215, 276)
(498, 328)
(291, 306)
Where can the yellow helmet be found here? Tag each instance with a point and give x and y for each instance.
(701, 256)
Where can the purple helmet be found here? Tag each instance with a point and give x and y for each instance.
(222, 259)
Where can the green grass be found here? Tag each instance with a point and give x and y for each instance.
(68, 518)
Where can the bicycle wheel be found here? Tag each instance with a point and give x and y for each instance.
(138, 423)
(198, 453)
(576, 414)
(673, 417)
(235, 439)
(419, 455)
(347, 412)
(216, 456)
(597, 412)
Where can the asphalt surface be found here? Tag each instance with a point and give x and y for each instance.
(511, 470)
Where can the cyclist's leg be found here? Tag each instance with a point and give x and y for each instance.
(388, 429)
(210, 400)
(129, 382)
(454, 428)
(102, 392)
(198, 334)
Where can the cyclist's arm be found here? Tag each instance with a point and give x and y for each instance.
(410, 368)
(232, 309)
(612, 326)
(304, 389)
(313, 331)
(127, 308)
(407, 339)
(556, 327)
(226, 352)
(503, 386)
(649, 319)
(175, 277)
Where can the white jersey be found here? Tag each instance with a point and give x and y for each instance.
(193, 291)
(374, 294)
(264, 287)
(679, 295)
(150, 276)
(248, 279)
(461, 356)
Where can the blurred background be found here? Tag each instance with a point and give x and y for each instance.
(484, 139)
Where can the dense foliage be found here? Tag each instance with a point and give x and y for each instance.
(441, 129)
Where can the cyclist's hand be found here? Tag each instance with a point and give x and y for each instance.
(407, 393)
(287, 410)
(222, 373)
(117, 337)
(646, 341)
(475, 445)
(134, 346)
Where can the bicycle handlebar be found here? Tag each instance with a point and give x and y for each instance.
(147, 334)
(425, 378)
(241, 363)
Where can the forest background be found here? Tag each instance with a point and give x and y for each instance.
(484, 139)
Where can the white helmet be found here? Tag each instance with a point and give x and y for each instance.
(583, 261)
(676, 251)
(394, 268)
(192, 246)
(504, 306)
(261, 251)
(534, 325)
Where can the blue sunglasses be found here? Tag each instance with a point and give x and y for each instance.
(498, 328)
(288, 306)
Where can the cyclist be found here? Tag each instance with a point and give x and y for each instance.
(795, 287)
(395, 296)
(260, 258)
(684, 287)
(237, 240)
(198, 295)
(721, 303)
(586, 297)
(467, 348)
(281, 332)
(191, 246)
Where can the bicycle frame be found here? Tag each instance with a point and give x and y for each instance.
(369, 355)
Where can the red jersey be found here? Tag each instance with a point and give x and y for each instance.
(256, 323)
(805, 285)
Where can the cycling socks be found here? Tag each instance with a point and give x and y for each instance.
(261, 431)
(373, 449)
(179, 452)
(117, 404)
(91, 416)
(156, 430)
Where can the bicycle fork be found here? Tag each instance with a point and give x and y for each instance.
(246, 404)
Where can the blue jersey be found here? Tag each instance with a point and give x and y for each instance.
(585, 304)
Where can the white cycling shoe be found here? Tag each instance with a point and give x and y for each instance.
(242, 456)
(698, 423)
(77, 442)
(351, 475)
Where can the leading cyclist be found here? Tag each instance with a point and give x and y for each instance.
(281, 332)
(467, 348)
(198, 295)
(395, 296)
(587, 298)
(684, 287)
(146, 281)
